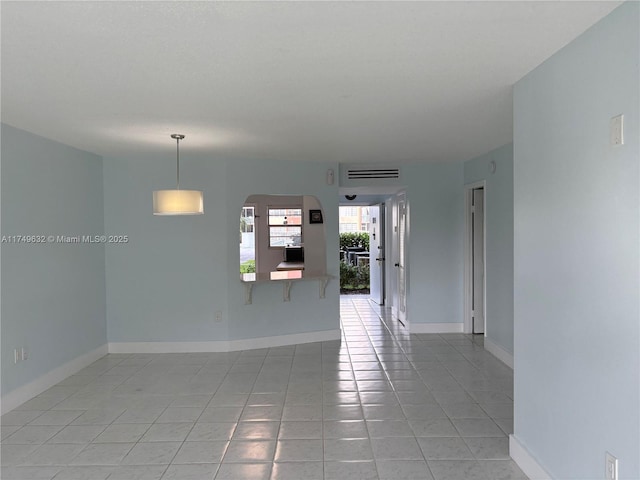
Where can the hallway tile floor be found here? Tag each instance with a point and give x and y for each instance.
(379, 404)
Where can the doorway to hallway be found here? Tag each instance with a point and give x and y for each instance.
(362, 251)
(385, 221)
(355, 257)
(474, 262)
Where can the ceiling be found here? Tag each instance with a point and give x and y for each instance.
(338, 81)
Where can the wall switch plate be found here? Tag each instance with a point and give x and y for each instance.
(24, 353)
(617, 130)
(611, 471)
(218, 318)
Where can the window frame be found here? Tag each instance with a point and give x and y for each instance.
(251, 224)
(270, 226)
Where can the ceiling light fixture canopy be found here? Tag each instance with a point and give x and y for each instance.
(178, 202)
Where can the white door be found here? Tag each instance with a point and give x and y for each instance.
(376, 253)
(400, 257)
(477, 261)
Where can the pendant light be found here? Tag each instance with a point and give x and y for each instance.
(178, 202)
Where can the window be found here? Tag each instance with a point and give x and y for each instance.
(348, 211)
(247, 220)
(285, 226)
(348, 227)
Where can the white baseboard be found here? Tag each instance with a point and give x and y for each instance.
(436, 327)
(527, 463)
(26, 392)
(224, 345)
(499, 352)
(167, 347)
(281, 340)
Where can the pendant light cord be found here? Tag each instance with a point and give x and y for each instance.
(178, 137)
(178, 162)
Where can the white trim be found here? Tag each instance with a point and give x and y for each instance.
(527, 463)
(168, 347)
(281, 340)
(468, 192)
(26, 392)
(224, 345)
(499, 352)
(436, 327)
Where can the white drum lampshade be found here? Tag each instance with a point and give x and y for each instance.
(178, 202)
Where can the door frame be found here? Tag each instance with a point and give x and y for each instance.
(468, 255)
(401, 196)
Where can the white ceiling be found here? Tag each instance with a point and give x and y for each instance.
(339, 81)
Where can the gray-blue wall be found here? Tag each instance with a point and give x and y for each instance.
(435, 197)
(168, 282)
(53, 294)
(499, 240)
(576, 254)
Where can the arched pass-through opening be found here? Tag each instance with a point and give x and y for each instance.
(282, 233)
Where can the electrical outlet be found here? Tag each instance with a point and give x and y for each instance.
(25, 354)
(611, 462)
(218, 318)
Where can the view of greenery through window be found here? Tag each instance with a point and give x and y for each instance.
(285, 229)
(247, 240)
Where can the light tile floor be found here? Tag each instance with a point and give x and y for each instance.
(379, 404)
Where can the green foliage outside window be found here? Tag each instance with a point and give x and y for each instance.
(354, 239)
(248, 267)
(353, 277)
